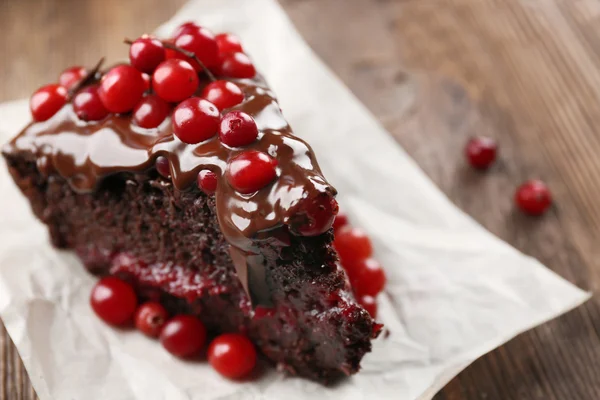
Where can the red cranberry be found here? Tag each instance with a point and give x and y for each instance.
(341, 219)
(352, 244)
(370, 304)
(172, 53)
(162, 166)
(237, 65)
(250, 171)
(481, 152)
(71, 77)
(121, 88)
(237, 129)
(150, 318)
(150, 112)
(88, 106)
(174, 80)
(113, 300)
(186, 27)
(229, 43)
(533, 197)
(223, 94)
(367, 277)
(46, 102)
(183, 336)
(207, 181)
(146, 53)
(232, 355)
(316, 216)
(195, 120)
(202, 43)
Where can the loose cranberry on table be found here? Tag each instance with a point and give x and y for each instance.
(352, 244)
(195, 120)
(71, 76)
(237, 65)
(146, 53)
(232, 355)
(202, 43)
(366, 276)
(207, 181)
(113, 300)
(150, 112)
(481, 152)
(533, 197)
(223, 94)
(46, 101)
(237, 129)
(369, 303)
(88, 106)
(229, 43)
(121, 88)
(150, 318)
(250, 171)
(174, 80)
(341, 219)
(183, 336)
(315, 216)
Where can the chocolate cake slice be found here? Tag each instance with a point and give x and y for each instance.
(251, 254)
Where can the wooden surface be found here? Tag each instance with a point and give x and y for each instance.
(524, 71)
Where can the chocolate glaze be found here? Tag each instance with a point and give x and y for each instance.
(86, 152)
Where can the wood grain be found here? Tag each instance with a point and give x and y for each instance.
(523, 71)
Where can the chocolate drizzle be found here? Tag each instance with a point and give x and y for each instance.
(84, 153)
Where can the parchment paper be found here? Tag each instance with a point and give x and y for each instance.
(455, 291)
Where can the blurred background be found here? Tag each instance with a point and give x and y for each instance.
(434, 72)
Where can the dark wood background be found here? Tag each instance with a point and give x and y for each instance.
(524, 71)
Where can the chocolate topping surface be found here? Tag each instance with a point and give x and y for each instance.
(86, 152)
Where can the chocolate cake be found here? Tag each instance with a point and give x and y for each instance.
(131, 202)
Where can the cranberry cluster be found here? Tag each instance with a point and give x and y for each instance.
(366, 275)
(162, 80)
(532, 197)
(232, 355)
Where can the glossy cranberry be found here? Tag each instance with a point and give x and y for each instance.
(184, 28)
(113, 300)
(237, 129)
(88, 106)
(315, 216)
(352, 244)
(207, 181)
(162, 166)
(121, 88)
(150, 112)
(46, 102)
(202, 43)
(195, 120)
(71, 77)
(229, 43)
(232, 355)
(150, 318)
(366, 276)
(250, 171)
(183, 336)
(174, 80)
(481, 152)
(533, 197)
(370, 304)
(341, 219)
(237, 65)
(223, 94)
(146, 53)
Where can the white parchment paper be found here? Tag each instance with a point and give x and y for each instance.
(455, 291)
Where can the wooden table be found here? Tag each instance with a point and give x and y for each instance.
(524, 71)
